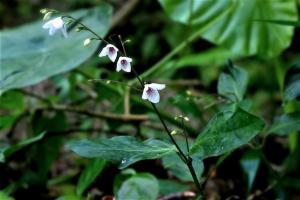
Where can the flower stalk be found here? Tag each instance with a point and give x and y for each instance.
(150, 90)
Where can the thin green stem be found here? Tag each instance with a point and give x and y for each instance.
(86, 28)
(107, 81)
(122, 44)
(194, 175)
(182, 155)
(186, 159)
(185, 135)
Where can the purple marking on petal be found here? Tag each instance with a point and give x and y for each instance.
(123, 62)
(111, 50)
(150, 91)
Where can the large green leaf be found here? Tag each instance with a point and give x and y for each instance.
(89, 174)
(124, 150)
(31, 55)
(286, 124)
(226, 131)
(232, 82)
(283, 22)
(231, 23)
(292, 83)
(143, 186)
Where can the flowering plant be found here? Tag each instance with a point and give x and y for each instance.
(179, 128)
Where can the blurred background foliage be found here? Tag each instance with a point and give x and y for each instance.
(47, 99)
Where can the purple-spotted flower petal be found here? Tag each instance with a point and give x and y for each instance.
(151, 92)
(124, 64)
(54, 25)
(111, 51)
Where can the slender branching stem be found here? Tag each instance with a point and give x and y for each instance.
(86, 28)
(185, 135)
(108, 81)
(122, 44)
(185, 158)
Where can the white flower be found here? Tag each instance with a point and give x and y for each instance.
(54, 25)
(124, 64)
(111, 51)
(151, 92)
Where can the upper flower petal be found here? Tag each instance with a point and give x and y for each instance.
(127, 59)
(58, 23)
(157, 86)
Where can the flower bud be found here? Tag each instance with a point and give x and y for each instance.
(87, 42)
(126, 41)
(47, 16)
(44, 10)
(186, 119)
(80, 28)
(174, 132)
(188, 92)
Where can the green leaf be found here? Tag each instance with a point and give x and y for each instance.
(286, 123)
(143, 186)
(169, 186)
(226, 131)
(230, 23)
(125, 150)
(31, 55)
(250, 163)
(89, 174)
(42, 164)
(121, 177)
(173, 163)
(12, 106)
(282, 22)
(4, 196)
(232, 82)
(292, 83)
(5, 152)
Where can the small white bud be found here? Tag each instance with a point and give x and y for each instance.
(47, 16)
(87, 42)
(186, 119)
(188, 92)
(126, 41)
(44, 10)
(174, 132)
(108, 82)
